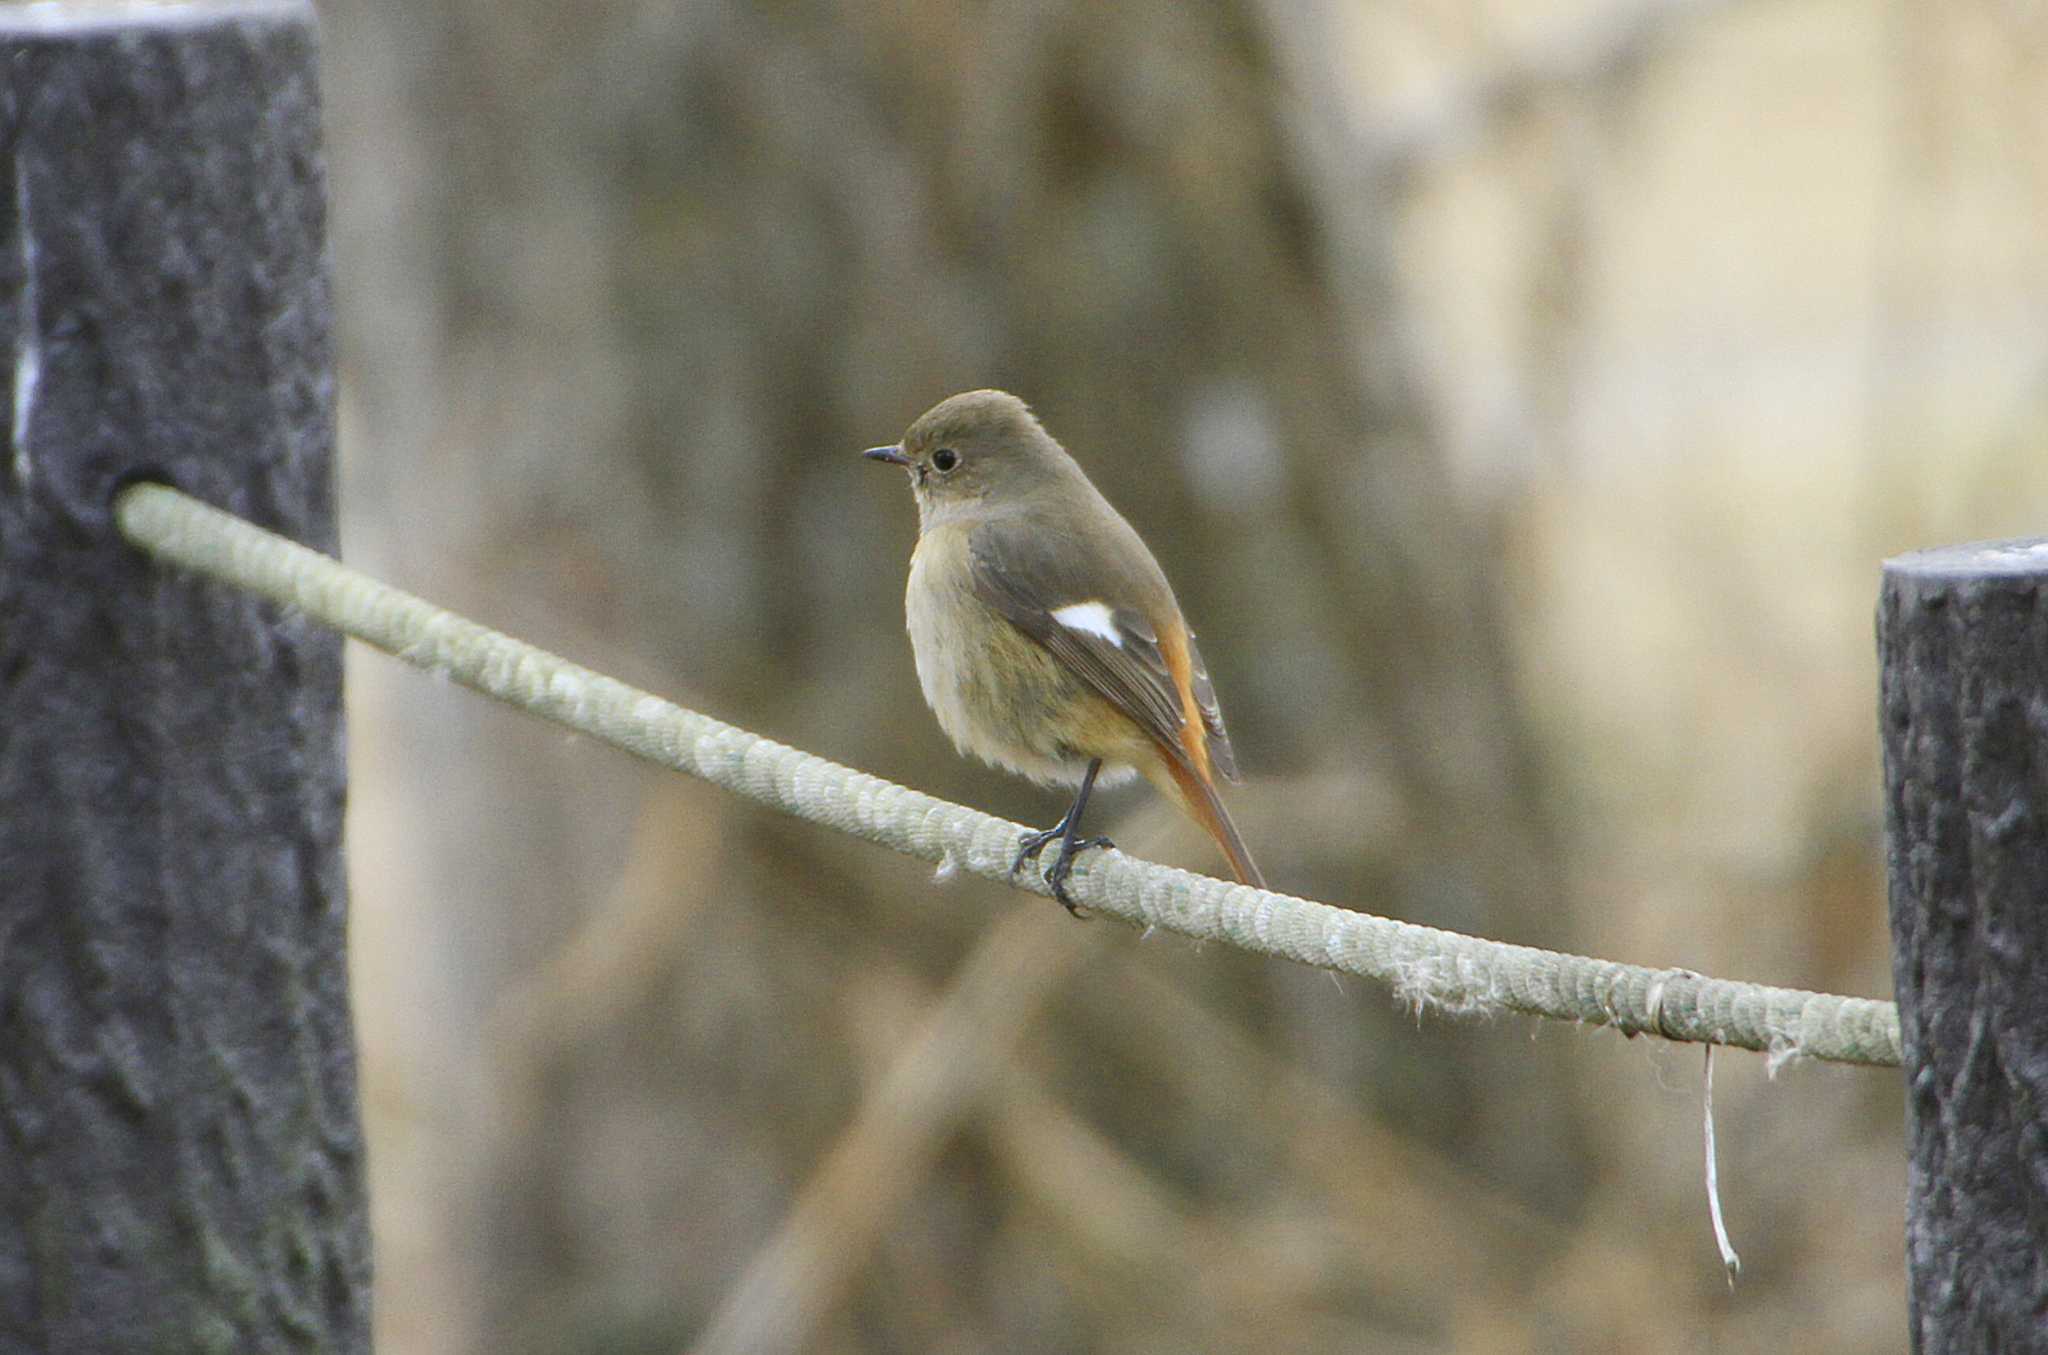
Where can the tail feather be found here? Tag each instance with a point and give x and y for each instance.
(1197, 794)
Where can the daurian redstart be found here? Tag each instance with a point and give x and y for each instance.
(1047, 639)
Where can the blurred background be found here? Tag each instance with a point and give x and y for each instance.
(1521, 397)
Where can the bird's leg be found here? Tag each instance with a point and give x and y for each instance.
(1067, 832)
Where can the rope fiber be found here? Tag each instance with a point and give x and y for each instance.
(1427, 968)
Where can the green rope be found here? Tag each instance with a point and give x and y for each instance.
(1431, 969)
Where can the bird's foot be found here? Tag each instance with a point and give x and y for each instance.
(1031, 844)
(1063, 865)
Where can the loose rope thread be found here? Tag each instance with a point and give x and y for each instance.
(1427, 968)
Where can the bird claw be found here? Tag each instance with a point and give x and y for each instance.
(1031, 845)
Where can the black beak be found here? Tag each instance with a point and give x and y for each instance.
(893, 455)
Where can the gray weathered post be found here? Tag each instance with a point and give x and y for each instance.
(180, 1153)
(1963, 645)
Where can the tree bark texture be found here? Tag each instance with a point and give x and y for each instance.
(1963, 642)
(181, 1162)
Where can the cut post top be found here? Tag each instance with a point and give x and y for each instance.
(2021, 557)
(53, 17)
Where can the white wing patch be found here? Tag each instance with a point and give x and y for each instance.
(1092, 618)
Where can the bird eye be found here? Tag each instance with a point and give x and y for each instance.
(944, 460)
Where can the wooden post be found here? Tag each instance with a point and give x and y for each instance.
(1963, 645)
(180, 1152)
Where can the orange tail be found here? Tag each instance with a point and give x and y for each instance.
(1197, 795)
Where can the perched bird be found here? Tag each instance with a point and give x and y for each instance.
(1047, 639)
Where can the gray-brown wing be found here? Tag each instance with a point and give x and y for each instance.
(1089, 610)
(1221, 756)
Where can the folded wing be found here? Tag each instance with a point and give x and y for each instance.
(1130, 646)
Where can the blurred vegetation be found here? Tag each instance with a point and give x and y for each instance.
(1521, 399)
